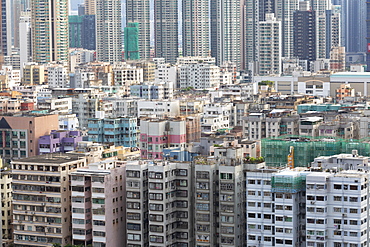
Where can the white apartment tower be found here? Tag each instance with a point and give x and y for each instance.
(226, 27)
(139, 11)
(337, 209)
(270, 48)
(284, 13)
(199, 76)
(108, 31)
(195, 28)
(25, 39)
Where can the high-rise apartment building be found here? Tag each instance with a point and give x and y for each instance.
(25, 40)
(131, 41)
(368, 36)
(75, 26)
(159, 195)
(284, 12)
(138, 11)
(270, 46)
(354, 14)
(226, 27)
(254, 11)
(98, 204)
(333, 29)
(320, 7)
(108, 31)
(166, 30)
(90, 7)
(49, 30)
(305, 35)
(42, 199)
(6, 206)
(88, 32)
(195, 28)
(6, 28)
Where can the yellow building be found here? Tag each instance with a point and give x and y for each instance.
(33, 74)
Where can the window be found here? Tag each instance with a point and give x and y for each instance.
(99, 234)
(337, 186)
(202, 185)
(155, 207)
(156, 186)
(98, 222)
(228, 219)
(134, 195)
(156, 217)
(155, 239)
(156, 175)
(353, 187)
(132, 226)
(133, 205)
(133, 174)
(98, 201)
(229, 186)
(226, 176)
(155, 228)
(133, 216)
(202, 175)
(156, 196)
(202, 206)
(134, 237)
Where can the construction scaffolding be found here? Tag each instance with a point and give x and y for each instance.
(288, 183)
(306, 149)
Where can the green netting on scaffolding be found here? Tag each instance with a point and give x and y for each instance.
(306, 149)
(288, 184)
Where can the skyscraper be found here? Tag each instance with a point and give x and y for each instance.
(25, 51)
(75, 26)
(108, 31)
(138, 11)
(166, 29)
(131, 41)
(333, 28)
(353, 25)
(270, 46)
(320, 7)
(226, 27)
(88, 32)
(6, 28)
(90, 7)
(305, 35)
(284, 13)
(368, 35)
(50, 30)
(195, 27)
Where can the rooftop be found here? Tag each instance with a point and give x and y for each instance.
(56, 158)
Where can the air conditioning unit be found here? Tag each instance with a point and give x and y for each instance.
(308, 237)
(312, 202)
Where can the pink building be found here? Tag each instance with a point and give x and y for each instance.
(99, 205)
(156, 134)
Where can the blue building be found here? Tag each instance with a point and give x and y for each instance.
(114, 131)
